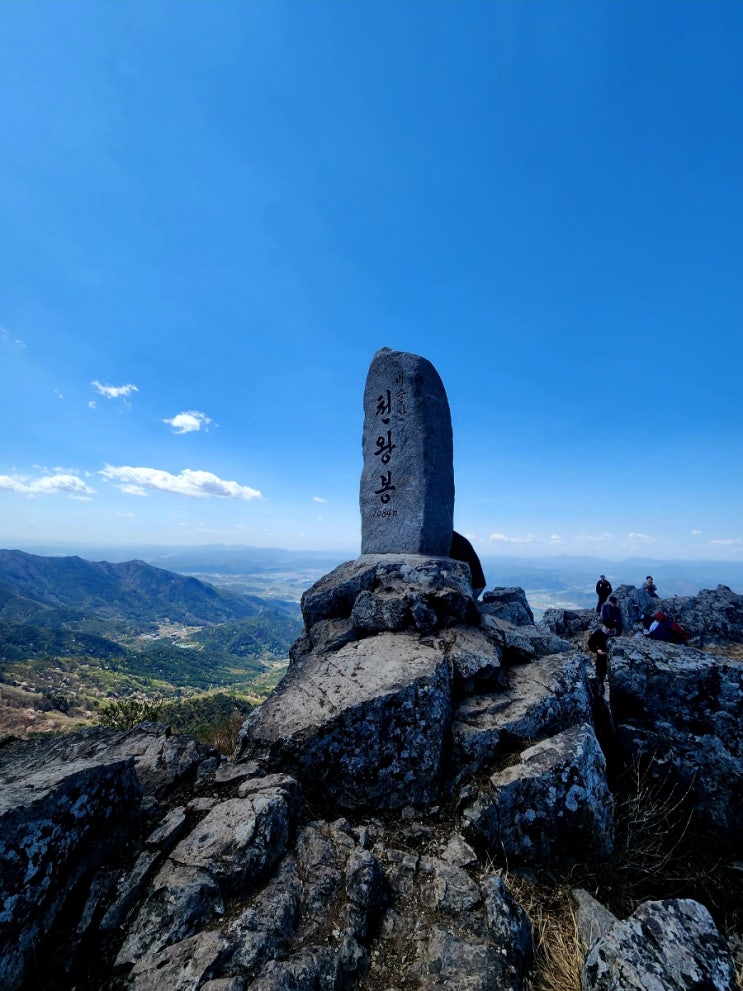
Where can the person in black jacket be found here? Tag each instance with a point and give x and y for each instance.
(603, 590)
(610, 612)
(462, 550)
(598, 644)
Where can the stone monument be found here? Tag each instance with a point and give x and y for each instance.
(407, 482)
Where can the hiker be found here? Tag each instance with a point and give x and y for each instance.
(611, 611)
(598, 644)
(649, 587)
(663, 628)
(603, 590)
(462, 550)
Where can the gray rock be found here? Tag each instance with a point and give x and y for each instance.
(592, 918)
(713, 618)
(475, 656)
(539, 699)
(364, 726)
(240, 839)
(170, 830)
(683, 706)
(183, 900)
(378, 593)
(568, 623)
(458, 852)
(552, 808)
(265, 929)
(517, 647)
(663, 946)
(509, 604)
(407, 482)
(66, 810)
(509, 928)
(183, 966)
(446, 932)
(445, 888)
(162, 760)
(131, 889)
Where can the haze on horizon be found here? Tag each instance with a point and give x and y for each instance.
(215, 215)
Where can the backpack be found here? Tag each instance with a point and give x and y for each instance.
(679, 633)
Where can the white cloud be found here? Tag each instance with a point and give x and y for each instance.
(527, 539)
(729, 542)
(188, 422)
(196, 484)
(114, 391)
(602, 538)
(318, 499)
(640, 538)
(695, 533)
(59, 483)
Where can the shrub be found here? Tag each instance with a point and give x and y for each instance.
(124, 714)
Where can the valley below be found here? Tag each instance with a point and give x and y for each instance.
(195, 625)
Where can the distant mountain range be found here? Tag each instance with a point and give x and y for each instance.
(97, 629)
(680, 577)
(73, 593)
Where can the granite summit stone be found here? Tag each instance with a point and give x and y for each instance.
(407, 482)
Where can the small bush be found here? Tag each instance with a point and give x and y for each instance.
(124, 714)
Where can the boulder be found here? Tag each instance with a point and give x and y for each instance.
(475, 655)
(569, 623)
(508, 603)
(445, 931)
(65, 813)
(713, 618)
(520, 643)
(592, 919)
(362, 727)
(670, 945)
(536, 700)
(387, 592)
(682, 707)
(551, 808)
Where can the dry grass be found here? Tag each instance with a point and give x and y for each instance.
(651, 851)
(224, 735)
(655, 856)
(558, 952)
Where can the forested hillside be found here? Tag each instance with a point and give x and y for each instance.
(75, 633)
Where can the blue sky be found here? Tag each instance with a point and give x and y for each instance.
(213, 214)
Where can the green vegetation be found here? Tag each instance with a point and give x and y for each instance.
(215, 718)
(124, 714)
(21, 641)
(57, 680)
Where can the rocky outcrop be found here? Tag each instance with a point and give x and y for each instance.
(419, 750)
(69, 811)
(379, 744)
(553, 807)
(713, 618)
(673, 945)
(678, 711)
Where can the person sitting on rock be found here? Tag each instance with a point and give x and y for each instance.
(462, 550)
(649, 587)
(603, 590)
(610, 611)
(663, 628)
